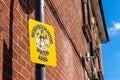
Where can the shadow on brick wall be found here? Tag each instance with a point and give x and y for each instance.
(7, 48)
(27, 7)
(7, 62)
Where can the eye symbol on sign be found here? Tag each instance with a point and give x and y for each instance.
(42, 43)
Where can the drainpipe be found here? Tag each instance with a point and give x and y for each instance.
(39, 16)
(94, 75)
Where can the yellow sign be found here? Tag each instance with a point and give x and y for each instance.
(42, 43)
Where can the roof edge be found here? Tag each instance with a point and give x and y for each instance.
(104, 23)
(97, 10)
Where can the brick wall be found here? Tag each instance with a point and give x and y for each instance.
(66, 17)
(14, 55)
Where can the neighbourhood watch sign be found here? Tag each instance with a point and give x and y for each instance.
(42, 43)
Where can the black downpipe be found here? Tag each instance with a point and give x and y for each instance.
(89, 22)
(39, 16)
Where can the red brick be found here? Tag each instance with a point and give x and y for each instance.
(20, 26)
(28, 67)
(32, 77)
(6, 20)
(1, 75)
(14, 74)
(3, 26)
(15, 55)
(16, 66)
(25, 73)
(1, 55)
(7, 2)
(1, 65)
(15, 38)
(5, 8)
(17, 31)
(6, 38)
(22, 45)
(16, 13)
(24, 56)
(16, 48)
(1, 44)
(20, 77)
(25, 40)
(21, 61)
